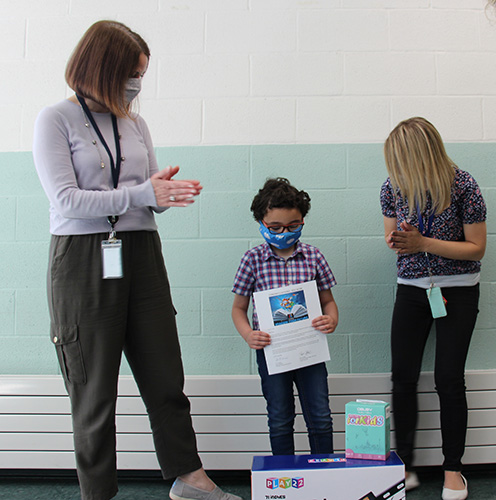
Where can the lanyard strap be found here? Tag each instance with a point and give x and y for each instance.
(115, 167)
(427, 232)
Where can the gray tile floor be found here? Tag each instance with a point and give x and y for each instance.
(482, 486)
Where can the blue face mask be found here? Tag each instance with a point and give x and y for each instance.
(281, 241)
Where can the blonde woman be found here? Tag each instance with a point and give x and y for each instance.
(434, 219)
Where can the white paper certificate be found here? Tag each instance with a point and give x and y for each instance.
(286, 314)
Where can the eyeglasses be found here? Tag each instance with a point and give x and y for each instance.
(292, 228)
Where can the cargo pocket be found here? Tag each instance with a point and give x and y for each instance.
(66, 341)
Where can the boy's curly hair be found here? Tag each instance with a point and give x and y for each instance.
(279, 193)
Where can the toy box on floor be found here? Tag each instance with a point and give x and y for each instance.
(367, 429)
(327, 477)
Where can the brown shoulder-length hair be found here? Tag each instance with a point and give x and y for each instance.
(418, 164)
(103, 60)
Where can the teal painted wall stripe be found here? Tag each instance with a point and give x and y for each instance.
(204, 243)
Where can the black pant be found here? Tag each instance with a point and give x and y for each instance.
(92, 322)
(412, 321)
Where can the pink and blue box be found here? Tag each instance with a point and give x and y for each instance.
(368, 471)
(367, 429)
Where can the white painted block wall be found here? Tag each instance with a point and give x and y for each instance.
(269, 71)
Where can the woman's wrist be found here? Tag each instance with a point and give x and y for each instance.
(425, 244)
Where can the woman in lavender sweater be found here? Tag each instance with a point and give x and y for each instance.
(108, 290)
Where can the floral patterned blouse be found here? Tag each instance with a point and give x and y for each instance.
(467, 207)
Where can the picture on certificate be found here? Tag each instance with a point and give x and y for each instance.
(286, 314)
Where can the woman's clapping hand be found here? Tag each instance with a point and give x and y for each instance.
(174, 193)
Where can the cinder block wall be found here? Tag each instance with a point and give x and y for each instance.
(239, 90)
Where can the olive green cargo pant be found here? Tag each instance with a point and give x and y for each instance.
(92, 322)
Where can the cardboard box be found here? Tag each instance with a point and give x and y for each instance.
(367, 431)
(327, 477)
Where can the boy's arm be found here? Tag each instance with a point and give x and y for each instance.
(254, 338)
(328, 322)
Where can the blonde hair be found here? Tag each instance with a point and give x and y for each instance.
(418, 165)
(490, 10)
(105, 57)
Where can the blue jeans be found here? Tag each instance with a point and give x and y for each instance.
(313, 392)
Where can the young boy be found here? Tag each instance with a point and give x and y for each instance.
(283, 260)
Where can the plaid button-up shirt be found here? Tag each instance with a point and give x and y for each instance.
(261, 269)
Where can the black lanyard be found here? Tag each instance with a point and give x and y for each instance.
(115, 167)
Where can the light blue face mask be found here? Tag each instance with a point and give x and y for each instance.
(281, 241)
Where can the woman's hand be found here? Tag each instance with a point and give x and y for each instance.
(257, 339)
(409, 240)
(173, 193)
(389, 240)
(325, 324)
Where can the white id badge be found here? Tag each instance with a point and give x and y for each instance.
(112, 259)
(436, 301)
